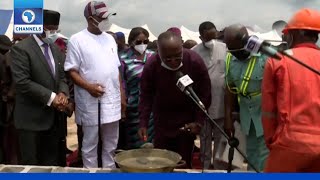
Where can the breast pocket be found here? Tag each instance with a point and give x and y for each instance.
(256, 78)
(221, 66)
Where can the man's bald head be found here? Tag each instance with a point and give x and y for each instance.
(233, 36)
(170, 49)
(169, 37)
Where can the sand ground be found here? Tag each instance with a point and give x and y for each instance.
(72, 140)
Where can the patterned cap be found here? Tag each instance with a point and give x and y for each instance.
(175, 30)
(97, 8)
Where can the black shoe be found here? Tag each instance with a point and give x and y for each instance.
(68, 151)
(196, 149)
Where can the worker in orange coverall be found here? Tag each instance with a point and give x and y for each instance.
(291, 100)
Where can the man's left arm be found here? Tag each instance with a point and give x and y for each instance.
(123, 97)
(269, 103)
(63, 85)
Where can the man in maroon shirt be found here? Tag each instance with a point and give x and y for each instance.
(171, 108)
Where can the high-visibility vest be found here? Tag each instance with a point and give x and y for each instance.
(242, 90)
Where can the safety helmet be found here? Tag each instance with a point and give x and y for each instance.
(304, 19)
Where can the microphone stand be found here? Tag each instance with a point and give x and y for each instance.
(232, 141)
(99, 134)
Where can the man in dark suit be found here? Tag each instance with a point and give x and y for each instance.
(41, 94)
(8, 137)
(5, 45)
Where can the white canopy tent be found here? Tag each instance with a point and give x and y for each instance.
(185, 33)
(188, 34)
(152, 37)
(9, 31)
(115, 28)
(272, 36)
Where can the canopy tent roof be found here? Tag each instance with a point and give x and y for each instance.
(115, 28)
(189, 35)
(152, 37)
(272, 36)
(9, 31)
(185, 33)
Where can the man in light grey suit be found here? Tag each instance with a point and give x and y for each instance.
(213, 52)
(41, 94)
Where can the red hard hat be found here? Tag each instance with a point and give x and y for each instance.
(306, 19)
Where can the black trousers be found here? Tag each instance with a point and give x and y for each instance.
(182, 144)
(122, 136)
(43, 148)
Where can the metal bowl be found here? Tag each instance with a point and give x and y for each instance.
(148, 160)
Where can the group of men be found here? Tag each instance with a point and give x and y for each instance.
(278, 100)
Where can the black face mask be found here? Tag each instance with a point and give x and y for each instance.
(3, 52)
(241, 55)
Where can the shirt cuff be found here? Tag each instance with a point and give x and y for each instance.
(53, 95)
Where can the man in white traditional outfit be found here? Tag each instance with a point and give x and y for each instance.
(93, 64)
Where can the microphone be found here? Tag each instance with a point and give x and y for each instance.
(184, 84)
(254, 45)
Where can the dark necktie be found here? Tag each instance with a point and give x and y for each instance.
(47, 56)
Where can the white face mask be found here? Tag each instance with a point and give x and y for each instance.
(169, 68)
(104, 25)
(50, 37)
(141, 48)
(209, 44)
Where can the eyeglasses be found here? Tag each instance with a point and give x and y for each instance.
(173, 59)
(138, 42)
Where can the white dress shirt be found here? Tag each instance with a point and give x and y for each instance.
(40, 43)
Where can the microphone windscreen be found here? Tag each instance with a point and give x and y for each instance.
(179, 74)
(245, 39)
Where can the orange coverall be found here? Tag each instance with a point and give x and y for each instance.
(291, 112)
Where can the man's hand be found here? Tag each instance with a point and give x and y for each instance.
(69, 109)
(123, 110)
(96, 90)
(60, 102)
(194, 128)
(143, 134)
(229, 128)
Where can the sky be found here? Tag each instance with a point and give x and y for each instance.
(159, 15)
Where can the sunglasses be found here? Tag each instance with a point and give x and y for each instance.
(173, 59)
(52, 31)
(138, 42)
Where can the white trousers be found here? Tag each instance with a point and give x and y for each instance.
(109, 138)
